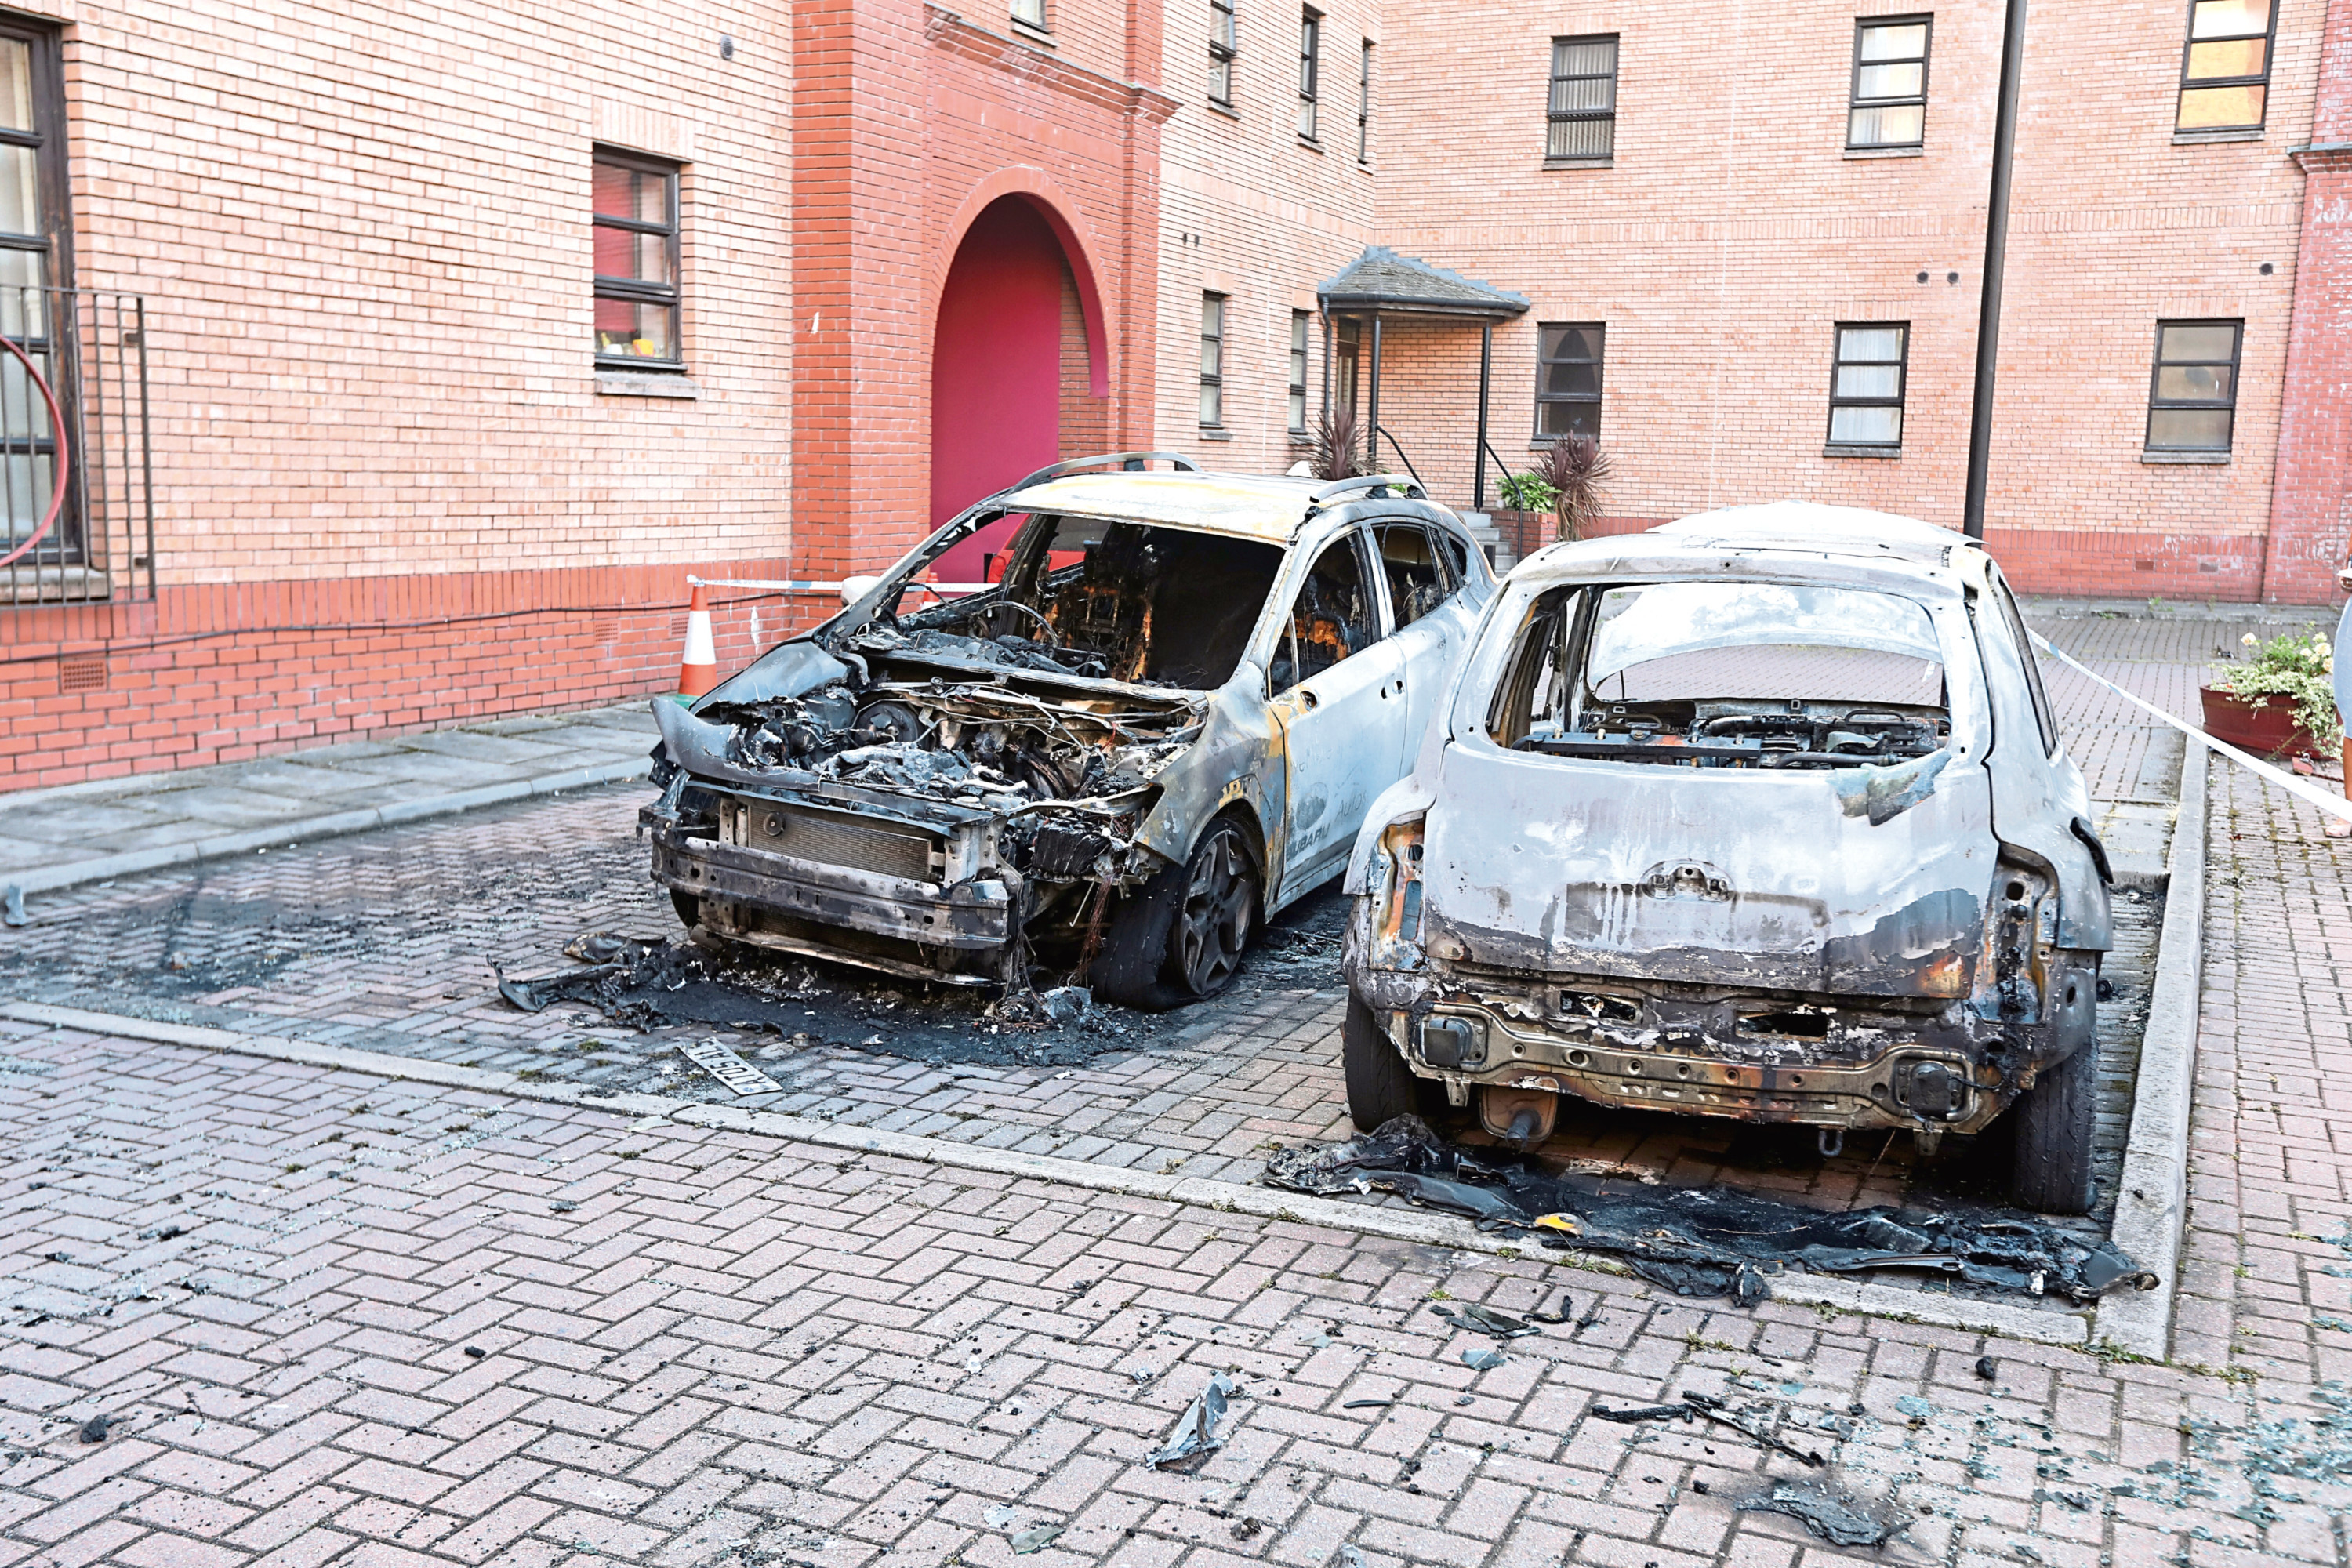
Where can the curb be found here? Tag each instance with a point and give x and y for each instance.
(1989, 1318)
(2151, 1199)
(49, 878)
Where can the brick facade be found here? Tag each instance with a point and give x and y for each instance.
(391, 489)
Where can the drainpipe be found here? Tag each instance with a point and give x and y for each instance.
(1485, 369)
(2004, 147)
(1372, 436)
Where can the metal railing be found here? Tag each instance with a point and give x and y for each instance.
(91, 347)
(1380, 430)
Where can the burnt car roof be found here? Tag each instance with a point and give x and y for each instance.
(1854, 534)
(1247, 506)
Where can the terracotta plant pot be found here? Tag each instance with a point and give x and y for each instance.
(1525, 532)
(2267, 730)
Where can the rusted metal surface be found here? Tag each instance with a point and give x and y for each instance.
(1722, 913)
(980, 790)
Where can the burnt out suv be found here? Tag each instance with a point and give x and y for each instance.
(1761, 815)
(1160, 719)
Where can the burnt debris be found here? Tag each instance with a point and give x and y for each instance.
(1705, 1241)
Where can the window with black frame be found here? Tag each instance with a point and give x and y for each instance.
(1889, 104)
(2192, 396)
(1866, 385)
(1310, 52)
(638, 295)
(1224, 43)
(2225, 67)
(35, 262)
(1364, 105)
(1212, 361)
(1568, 379)
(1583, 113)
(1301, 323)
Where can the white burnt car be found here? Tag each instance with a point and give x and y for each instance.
(1762, 815)
(1162, 720)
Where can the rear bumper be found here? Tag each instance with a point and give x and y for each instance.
(747, 892)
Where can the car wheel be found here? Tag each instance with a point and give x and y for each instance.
(1181, 939)
(1381, 1087)
(688, 908)
(2050, 1172)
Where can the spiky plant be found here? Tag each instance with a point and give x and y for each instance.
(1338, 446)
(1578, 471)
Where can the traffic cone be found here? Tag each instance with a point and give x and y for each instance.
(697, 670)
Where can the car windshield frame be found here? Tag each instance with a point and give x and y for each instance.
(1809, 615)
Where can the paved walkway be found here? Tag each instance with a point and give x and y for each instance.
(85, 832)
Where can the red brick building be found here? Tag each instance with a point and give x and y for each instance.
(412, 357)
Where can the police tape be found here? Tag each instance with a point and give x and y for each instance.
(2335, 806)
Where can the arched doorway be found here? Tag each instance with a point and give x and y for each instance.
(1002, 366)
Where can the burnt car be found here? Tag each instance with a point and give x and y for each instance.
(1159, 720)
(1761, 815)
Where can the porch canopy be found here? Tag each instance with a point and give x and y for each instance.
(1381, 283)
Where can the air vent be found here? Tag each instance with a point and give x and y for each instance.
(82, 672)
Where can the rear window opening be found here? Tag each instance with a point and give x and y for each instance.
(1100, 599)
(1767, 676)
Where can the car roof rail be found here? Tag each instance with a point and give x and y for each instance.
(1408, 488)
(1124, 460)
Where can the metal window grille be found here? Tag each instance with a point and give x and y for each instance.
(1030, 13)
(1212, 361)
(2193, 390)
(1364, 105)
(1889, 103)
(635, 230)
(1583, 106)
(91, 347)
(1568, 378)
(1866, 384)
(1310, 49)
(1300, 324)
(2225, 67)
(1224, 44)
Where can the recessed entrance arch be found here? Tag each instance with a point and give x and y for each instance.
(1002, 362)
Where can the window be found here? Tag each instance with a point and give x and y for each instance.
(1583, 114)
(1310, 48)
(2192, 396)
(1300, 324)
(1889, 106)
(637, 262)
(1030, 13)
(2225, 70)
(1347, 353)
(1568, 379)
(34, 256)
(1364, 105)
(1418, 581)
(1222, 46)
(1212, 361)
(1332, 618)
(1866, 387)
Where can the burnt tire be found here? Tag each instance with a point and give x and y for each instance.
(688, 908)
(1380, 1088)
(2051, 1124)
(1180, 938)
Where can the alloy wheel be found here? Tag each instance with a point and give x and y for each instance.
(1213, 927)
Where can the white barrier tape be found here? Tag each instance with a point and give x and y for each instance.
(2334, 804)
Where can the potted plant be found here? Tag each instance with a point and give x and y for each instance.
(1527, 501)
(1575, 471)
(2278, 697)
(1338, 446)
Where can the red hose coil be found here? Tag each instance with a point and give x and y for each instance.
(65, 459)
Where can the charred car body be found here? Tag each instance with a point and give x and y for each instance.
(1162, 720)
(1762, 815)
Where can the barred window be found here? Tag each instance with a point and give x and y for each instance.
(1866, 384)
(1889, 105)
(2225, 68)
(1310, 50)
(1224, 44)
(1583, 112)
(1568, 379)
(1301, 324)
(635, 229)
(2192, 394)
(1212, 361)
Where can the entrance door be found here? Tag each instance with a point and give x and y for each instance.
(1339, 685)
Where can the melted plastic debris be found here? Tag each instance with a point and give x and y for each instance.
(1034, 1538)
(1480, 1320)
(1482, 1360)
(1196, 1429)
(1704, 1241)
(1841, 1520)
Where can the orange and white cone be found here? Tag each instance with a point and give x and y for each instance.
(697, 670)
